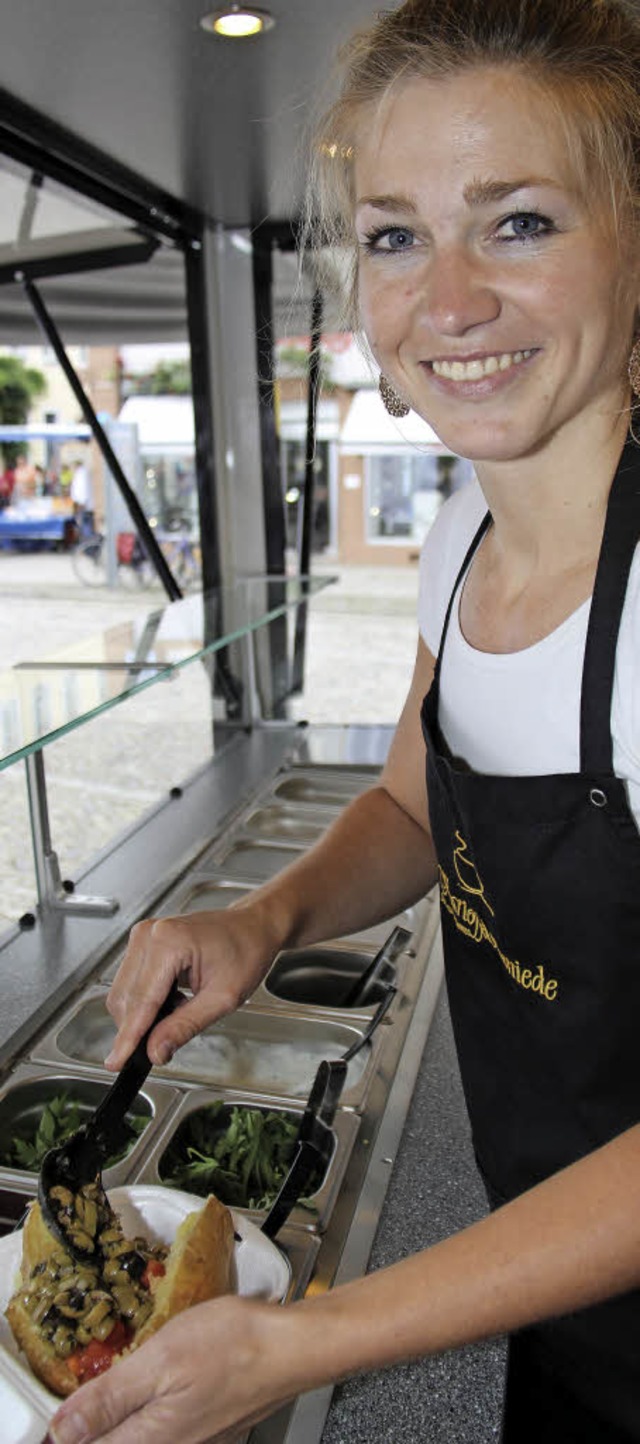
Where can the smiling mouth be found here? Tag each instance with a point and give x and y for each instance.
(479, 366)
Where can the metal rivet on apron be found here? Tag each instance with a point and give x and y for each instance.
(598, 797)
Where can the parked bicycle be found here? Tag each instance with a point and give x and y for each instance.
(90, 560)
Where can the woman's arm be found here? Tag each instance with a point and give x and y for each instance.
(572, 1241)
(375, 860)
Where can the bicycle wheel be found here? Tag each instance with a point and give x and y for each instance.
(137, 575)
(90, 562)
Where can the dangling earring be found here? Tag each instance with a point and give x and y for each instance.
(633, 368)
(397, 407)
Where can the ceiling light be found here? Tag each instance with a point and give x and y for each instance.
(238, 20)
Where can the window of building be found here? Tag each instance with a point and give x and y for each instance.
(406, 491)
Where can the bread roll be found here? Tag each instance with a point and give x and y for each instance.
(73, 1321)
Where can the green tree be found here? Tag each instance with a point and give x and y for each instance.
(169, 378)
(20, 386)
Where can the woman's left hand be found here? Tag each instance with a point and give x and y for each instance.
(210, 1373)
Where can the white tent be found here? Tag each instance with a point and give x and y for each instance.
(165, 423)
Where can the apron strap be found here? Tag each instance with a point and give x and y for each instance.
(621, 534)
(472, 548)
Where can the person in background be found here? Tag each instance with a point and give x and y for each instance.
(25, 479)
(482, 165)
(65, 479)
(7, 484)
(81, 493)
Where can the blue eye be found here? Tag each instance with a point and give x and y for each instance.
(525, 226)
(389, 238)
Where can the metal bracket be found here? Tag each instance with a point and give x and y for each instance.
(53, 893)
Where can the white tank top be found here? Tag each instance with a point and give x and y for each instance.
(518, 713)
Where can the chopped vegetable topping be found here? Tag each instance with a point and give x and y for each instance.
(79, 1305)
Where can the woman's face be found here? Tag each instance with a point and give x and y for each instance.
(494, 297)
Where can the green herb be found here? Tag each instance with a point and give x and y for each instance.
(241, 1154)
(60, 1118)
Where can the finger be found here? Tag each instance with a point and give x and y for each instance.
(97, 1409)
(140, 1010)
(187, 1021)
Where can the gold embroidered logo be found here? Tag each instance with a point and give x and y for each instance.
(467, 872)
(468, 921)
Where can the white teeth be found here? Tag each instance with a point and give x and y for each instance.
(480, 366)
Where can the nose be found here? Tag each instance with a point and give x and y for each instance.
(458, 294)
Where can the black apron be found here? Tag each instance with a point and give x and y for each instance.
(540, 904)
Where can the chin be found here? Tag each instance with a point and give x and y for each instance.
(479, 441)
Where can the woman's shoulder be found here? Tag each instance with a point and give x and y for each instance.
(442, 555)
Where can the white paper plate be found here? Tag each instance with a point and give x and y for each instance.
(261, 1271)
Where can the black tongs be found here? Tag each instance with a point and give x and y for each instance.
(314, 1140)
(78, 1161)
(359, 992)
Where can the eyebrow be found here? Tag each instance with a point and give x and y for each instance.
(477, 193)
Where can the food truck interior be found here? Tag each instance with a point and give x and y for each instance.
(151, 180)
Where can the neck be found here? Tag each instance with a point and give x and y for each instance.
(552, 503)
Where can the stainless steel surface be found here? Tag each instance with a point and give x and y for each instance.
(28, 1090)
(71, 1033)
(314, 1216)
(347, 1244)
(266, 1051)
(289, 822)
(321, 976)
(252, 857)
(328, 786)
(50, 961)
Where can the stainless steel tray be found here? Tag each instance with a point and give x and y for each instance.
(314, 1216)
(320, 975)
(269, 1051)
(250, 858)
(324, 786)
(27, 1090)
(288, 822)
(212, 892)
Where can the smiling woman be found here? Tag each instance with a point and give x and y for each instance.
(500, 295)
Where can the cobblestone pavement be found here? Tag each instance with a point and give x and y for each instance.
(101, 777)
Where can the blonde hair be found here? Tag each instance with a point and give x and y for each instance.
(585, 54)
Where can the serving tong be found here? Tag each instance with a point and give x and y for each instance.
(359, 992)
(79, 1160)
(314, 1140)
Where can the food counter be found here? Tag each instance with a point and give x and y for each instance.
(261, 800)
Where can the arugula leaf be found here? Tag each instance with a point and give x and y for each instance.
(241, 1154)
(60, 1118)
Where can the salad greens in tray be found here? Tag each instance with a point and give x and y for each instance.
(239, 1153)
(48, 1125)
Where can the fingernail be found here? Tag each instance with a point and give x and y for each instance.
(110, 1059)
(164, 1053)
(69, 1430)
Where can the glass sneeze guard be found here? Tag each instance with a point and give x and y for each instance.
(42, 699)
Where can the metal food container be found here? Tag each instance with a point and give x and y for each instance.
(258, 1050)
(289, 823)
(251, 857)
(324, 786)
(13, 1202)
(210, 893)
(321, 976)
(26, 1094)
(312, 1215)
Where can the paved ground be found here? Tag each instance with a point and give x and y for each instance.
(360, 649)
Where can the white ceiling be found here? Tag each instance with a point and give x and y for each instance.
(217, 124)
